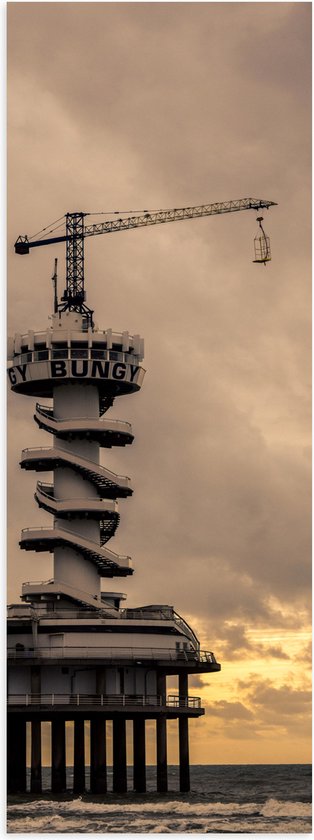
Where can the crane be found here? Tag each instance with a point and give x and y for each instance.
(76, 230)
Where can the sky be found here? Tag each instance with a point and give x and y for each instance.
(126, 106)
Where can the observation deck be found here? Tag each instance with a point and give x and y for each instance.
(70, 351)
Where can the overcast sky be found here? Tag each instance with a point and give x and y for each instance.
(118, 106)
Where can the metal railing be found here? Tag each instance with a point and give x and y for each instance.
(77, 540)
(99, 504)
(68, 588)
(162, 614)
(150, 613)
(97, 334)
(180, 701)
(74, 457)
(105, 700)
(47, 412)
(147, 614)
(91, 354)
(112, 653)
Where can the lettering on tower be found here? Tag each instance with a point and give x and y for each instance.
(76, 369)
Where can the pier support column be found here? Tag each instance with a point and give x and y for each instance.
(184, 753)
(16, 752)
(161, 736)
(183, 686)
(184, 736)
(35, 726)
(139, 764)
(119, 755)
(58, 774)
(79, 757)
(162, 771)
(35, 756)
(162, 687)
(98, 767)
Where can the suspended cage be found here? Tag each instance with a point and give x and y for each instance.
(261, 245)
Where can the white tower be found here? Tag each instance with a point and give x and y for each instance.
(82, 371)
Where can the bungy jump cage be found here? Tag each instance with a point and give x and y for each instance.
(261, 244)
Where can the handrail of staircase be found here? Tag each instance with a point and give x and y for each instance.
(52, 498)
(45, 411)
(72, 456)
(78, 539)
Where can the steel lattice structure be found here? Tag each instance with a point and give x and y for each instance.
(77, 231)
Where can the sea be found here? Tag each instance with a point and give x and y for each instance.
(224, 799)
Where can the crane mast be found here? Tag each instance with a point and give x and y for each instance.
(74, 294)
(76, 231)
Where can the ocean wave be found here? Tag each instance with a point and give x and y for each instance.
(163, 817)
(276, 808)
(55, 825)
(272, 807)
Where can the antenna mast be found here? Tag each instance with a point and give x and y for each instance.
(55, 290)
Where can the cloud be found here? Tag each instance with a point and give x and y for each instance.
(306, 653)
(264, 711)
(195, 681)
(229, 710)
(274, 652)
(175, 105)
(289, 701)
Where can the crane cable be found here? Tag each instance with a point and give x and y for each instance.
(55, 226)
(45, 229)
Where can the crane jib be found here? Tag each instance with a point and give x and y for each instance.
(23, 244)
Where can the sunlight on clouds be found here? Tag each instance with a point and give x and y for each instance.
(262, 695)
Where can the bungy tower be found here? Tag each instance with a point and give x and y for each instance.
(75, 652)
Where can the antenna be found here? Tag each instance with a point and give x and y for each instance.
(55, 291)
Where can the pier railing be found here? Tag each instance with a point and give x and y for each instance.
(112, 654)
(106, 700)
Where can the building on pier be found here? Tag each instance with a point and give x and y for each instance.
(75, 651)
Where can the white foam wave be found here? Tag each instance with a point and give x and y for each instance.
(54, 825)
(276, 808)
(271, 808)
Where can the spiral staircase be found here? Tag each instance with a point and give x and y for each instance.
(72, 511)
